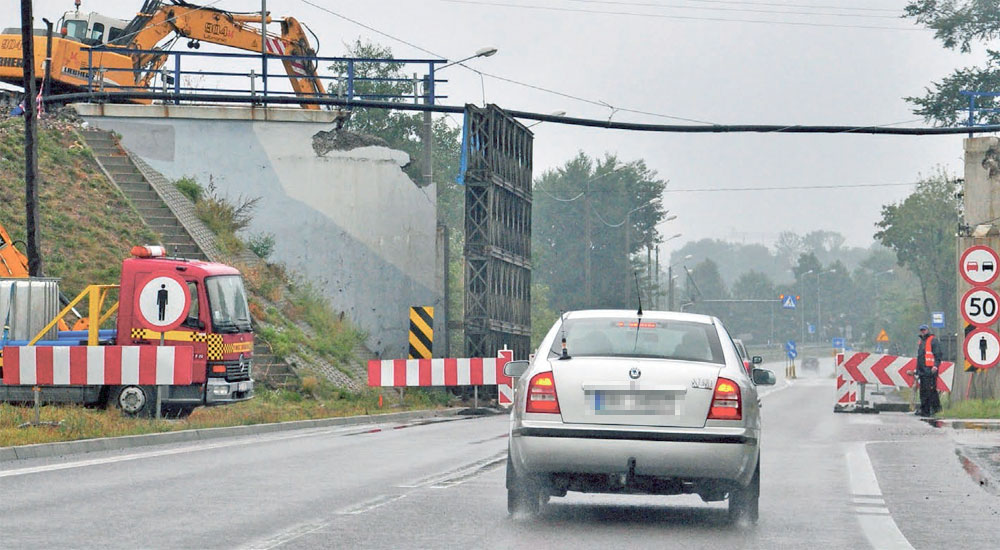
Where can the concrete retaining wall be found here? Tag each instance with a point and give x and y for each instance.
(351, 221)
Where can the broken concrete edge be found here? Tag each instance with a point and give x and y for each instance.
(80, 446)
(979, 475)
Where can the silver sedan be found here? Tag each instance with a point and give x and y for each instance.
(619, 401)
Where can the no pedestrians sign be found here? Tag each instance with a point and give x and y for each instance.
(162, 302)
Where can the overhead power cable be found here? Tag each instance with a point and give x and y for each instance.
(725, 9)
(787, 188)
(771, 4)
(677, 17)
(542, 117)
(498, 77)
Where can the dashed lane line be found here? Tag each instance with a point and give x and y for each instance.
(869, 506)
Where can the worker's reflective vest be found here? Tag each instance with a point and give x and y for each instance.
(928, 354)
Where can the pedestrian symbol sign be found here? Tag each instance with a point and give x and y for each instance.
(882, 336)
(162, 302)
(982, 348)
(788, 301)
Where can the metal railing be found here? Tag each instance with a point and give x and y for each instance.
(974, 109)
(175, 76)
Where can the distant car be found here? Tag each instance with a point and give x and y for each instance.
(743, 354)
(810, 363)
(615, 402)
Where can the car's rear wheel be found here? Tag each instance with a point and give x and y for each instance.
(525, 494)
(744, 502)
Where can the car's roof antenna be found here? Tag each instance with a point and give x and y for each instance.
(637, 293)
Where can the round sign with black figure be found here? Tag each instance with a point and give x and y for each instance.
(162, 302)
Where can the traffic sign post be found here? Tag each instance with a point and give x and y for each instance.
(980, 306)
(792, 352)
(788, 301)
(982, 348)
(937, 319)
(979, 265)
(839, 343)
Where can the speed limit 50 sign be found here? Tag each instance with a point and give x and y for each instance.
(980, 306)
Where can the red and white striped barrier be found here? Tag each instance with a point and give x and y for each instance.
(97, 365)
(475, 371)
(891, 370)
(847, 393)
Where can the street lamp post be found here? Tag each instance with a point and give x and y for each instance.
(878, 295)
(670, 280)
(819, 306)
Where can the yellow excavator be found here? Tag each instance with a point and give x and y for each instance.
(117, 67)
(14, 265)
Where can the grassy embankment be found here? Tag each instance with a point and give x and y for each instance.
(88, 227)
(971, 409)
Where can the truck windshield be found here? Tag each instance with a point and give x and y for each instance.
(660, 339)
(228, 301)
(76, 28)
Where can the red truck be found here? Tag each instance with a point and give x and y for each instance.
(183, 336)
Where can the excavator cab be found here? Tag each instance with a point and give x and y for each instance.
(91, 28)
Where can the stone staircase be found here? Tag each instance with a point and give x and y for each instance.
(146, 200)
(123, 172)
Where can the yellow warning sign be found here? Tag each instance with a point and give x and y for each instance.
(421, 332)
(882, 337)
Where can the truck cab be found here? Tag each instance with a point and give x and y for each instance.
(91, 28)
(216, 325)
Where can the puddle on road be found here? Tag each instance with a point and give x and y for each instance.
(963, 424)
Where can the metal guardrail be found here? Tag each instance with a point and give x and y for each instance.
(973, 108)
(234, 83)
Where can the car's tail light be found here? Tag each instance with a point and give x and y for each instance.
(746, 366)
(726, 403)
(542, 394)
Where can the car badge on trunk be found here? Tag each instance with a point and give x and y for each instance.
(635, 373)
(702, 383)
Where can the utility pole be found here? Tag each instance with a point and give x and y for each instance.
(30, 141)
(628, 258)
(428, 129)
(587, 244)
(263, 47)
(670, 288)
(656, 273)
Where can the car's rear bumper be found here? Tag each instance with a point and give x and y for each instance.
(726, 454)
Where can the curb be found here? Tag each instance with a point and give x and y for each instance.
(44, 450)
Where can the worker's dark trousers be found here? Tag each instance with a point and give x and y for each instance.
(929, 401)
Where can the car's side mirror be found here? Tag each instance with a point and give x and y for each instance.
(763, 377)
(756, 360)
(515, 369)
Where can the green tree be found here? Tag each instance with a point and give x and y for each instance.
(609, 196)
(921, 230)
(705, 282)
(958, 24)
(403, 130)
(754, 285)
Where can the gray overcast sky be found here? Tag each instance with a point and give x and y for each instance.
(706, 69)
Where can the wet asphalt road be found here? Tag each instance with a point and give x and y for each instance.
(828, 481)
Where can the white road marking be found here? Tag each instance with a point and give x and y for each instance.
(372, 504)
(788, 384)
(876, 521)
(163, 452)
(457, 475)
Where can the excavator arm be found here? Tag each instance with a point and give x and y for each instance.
(228, 29)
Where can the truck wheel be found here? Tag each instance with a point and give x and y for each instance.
(744, 502)
(135, 401)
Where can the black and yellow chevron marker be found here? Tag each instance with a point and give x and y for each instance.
(968, 329)
(421, 332)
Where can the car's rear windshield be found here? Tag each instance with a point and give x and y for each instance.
(622, 337)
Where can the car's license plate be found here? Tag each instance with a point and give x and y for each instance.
(630, 402)
(243, 386)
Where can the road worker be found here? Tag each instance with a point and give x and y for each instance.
(928, 363)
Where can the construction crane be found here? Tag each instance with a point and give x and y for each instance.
(118, 66)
